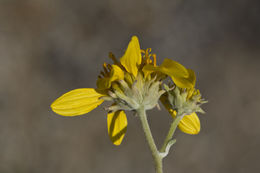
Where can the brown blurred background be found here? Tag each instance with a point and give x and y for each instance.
(48, 47)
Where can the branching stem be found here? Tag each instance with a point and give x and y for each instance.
(158, 155)
(147, 131)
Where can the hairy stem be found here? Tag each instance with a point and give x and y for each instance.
(171, 132)
(147, 131)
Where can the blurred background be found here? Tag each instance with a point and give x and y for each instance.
(49, 47)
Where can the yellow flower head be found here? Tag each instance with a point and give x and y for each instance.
(130, 82)
(184, 102)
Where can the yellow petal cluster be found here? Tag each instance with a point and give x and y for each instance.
(82, 101)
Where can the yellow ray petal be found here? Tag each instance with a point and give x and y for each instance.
(103, 83)
(173, 68)
(182, 77)
(132, 57)
(116, 73)
(192, 77)
(190, 124)
(116, 125)
(188, 82)
(77, 102)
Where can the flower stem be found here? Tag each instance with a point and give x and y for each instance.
(171, 132)
(147, 131)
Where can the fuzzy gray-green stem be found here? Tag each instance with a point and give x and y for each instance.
(171, 132)
(147, 131)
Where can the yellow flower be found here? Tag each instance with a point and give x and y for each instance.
(127, 82)
(183, 78)
(184, 101)
(82, 101)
